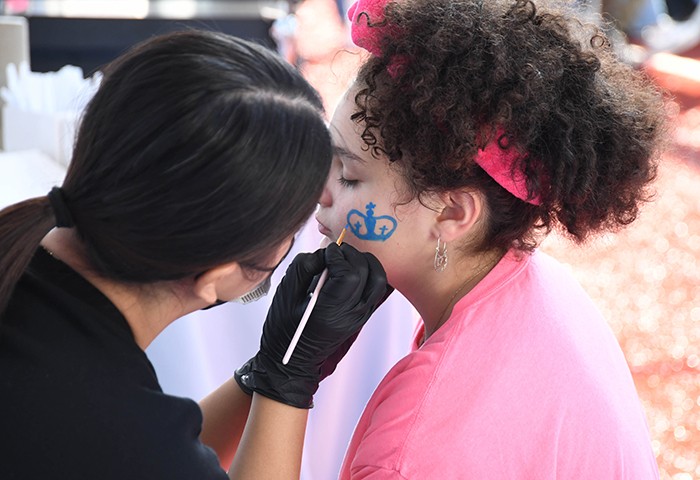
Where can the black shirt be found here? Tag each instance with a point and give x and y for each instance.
(78, 398)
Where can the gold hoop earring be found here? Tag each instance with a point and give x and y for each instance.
(440, 256)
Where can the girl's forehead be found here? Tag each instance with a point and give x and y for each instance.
(348, 145)
(342, 120)
(346, 155)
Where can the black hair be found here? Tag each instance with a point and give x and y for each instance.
(198, 149)
(454, 72)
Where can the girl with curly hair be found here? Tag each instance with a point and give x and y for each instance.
(474, 129)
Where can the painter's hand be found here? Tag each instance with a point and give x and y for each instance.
(356, 286)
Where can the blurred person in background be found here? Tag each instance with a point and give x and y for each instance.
(649, 23)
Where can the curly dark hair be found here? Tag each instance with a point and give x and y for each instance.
(589, 126)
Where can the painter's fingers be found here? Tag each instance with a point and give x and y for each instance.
(377, 289)
(302, 275)
(348, 271)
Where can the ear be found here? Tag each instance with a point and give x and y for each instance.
(208, 284)
(460, 211)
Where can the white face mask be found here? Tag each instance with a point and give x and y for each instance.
(255, 294)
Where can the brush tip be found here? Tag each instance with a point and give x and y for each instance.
(342, 235)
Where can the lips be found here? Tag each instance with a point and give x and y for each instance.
(323, 229)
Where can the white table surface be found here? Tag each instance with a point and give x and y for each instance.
(26, 174)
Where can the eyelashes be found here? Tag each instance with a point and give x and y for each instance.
(346, 183)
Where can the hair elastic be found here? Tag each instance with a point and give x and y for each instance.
(57, 199)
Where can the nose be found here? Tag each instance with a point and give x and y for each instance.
(326, 199)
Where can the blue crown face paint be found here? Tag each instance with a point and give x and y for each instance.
(367, 226)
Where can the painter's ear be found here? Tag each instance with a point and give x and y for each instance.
(208, 285)
(460, 210)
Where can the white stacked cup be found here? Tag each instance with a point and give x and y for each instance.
(14, 48)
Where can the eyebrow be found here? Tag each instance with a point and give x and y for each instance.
(347, 154)
(272, 269)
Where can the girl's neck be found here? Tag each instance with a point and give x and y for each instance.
(445, 289)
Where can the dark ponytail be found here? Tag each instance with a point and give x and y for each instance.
(22, 226)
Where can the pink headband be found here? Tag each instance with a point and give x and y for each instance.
(368, 30)
(498, 163)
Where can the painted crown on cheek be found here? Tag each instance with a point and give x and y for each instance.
(368, 227)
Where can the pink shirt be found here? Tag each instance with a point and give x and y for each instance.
(524, 381)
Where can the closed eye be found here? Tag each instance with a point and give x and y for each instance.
(347, 183)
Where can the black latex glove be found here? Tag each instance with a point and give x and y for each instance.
(356, 286)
